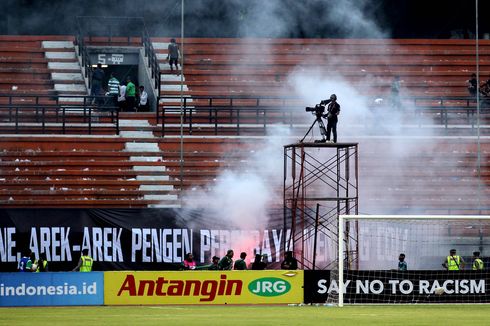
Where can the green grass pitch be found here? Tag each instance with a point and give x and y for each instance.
(249, 315)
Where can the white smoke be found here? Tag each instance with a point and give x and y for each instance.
(242, 195)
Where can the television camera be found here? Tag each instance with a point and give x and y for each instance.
(318, 109)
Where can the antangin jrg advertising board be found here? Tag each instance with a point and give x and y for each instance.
(203, 287)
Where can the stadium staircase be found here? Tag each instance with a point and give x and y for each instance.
(171, 82)
(65, 69)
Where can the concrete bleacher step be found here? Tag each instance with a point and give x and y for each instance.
(160, 197)
(60, 55)
(75, 66)
(133, 123)
(172, 88)
(162, 205)
(156, 187)
(58, 44)
(174, 102)
(160, 45)
(64, 76)
(74, 88)
(141, 147)
(136, 133)
(152, 178)
(146, 168)
(172, 78)
(145, 158)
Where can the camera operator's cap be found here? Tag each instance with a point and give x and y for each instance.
(333, 97)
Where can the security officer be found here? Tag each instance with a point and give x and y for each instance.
(477, 262)
(42, 263)
(85, 262)
(453, 262)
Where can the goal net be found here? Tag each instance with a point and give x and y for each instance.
(369, 268)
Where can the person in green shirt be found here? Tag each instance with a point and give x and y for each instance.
(241, 264)
(226, 263)
(289, 261)
(402, 264)
(130, 94)
(214, 265)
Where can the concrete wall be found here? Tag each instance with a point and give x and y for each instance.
(144, 77)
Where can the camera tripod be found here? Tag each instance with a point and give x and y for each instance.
(321, 125)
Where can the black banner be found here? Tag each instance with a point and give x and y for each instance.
(399, 287)
(129, 239)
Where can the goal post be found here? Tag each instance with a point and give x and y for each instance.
(426, 241)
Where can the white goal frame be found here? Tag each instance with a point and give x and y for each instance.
(341, 234)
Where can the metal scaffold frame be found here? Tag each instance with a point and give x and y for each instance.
(321, 181)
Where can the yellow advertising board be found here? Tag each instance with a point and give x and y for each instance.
(203, 287)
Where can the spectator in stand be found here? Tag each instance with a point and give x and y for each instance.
(189, 263)
(395, 93)
(258, 264)
(25, 263)
(143, 105)
(130, 94)
(485, 93)
(214, 265)
(121, 99)
(226, 263)
(241, 264)
(42, 264)
(472, 85)
(485, 88)
(173, 54)
(113, 88)
(289, 261)
(265, 260)
(97, 79)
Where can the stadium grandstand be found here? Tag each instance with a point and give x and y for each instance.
(224, 149)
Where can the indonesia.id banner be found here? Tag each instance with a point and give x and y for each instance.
(51, 289)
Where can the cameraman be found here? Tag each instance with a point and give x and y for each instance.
(333, 110)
